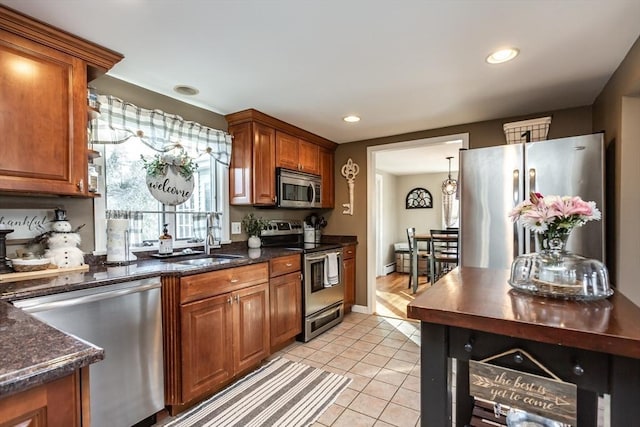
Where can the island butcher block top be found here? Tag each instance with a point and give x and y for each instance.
(482, 300)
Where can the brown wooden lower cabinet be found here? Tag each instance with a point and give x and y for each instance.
(285, 299)
(54, 404)
(349, 276)
(286, 308)
(216, 328)
(223, 336)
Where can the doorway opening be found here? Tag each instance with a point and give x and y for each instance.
(391, 169)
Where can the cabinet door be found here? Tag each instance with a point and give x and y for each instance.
(56, 403)
(250, 326)
(308, 154)
(349, 271)
(264, 172)
(44, 141)
(326, 172)
(287, 151)
(285, 299)
(241, 165)
(206, 344)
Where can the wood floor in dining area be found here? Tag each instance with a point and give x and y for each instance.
(393, 294)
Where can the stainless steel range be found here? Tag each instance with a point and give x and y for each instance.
(323, 286)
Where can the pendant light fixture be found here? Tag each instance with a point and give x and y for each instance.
(449, 186)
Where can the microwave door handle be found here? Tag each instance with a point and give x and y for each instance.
(311, 193)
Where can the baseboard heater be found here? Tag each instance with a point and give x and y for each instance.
(389, 268)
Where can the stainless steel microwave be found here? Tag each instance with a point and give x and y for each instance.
(297, 189)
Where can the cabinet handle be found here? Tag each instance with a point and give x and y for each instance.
(234, 280)
(229, 300)
(289, 264)
(238, 299)
(80, 185)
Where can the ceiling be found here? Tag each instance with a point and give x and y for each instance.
(421, 156)
(402, 66)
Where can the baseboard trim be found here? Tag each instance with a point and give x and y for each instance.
(360, 309)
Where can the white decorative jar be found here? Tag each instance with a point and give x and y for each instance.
(254, 242)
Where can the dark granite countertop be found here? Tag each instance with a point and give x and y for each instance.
(33, 353)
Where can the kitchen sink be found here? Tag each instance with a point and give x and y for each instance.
(227, 256)
(215, 259)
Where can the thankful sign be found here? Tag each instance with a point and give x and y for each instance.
(532, 393)
(25, 223)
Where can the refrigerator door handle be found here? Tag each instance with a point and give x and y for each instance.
(516, 200)
(532, 189)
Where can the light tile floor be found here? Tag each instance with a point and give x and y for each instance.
(382, 357)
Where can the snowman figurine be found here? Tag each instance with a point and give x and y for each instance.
(63, 243)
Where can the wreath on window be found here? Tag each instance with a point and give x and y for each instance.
(419, 198)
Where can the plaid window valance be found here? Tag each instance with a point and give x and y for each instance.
(120, 120)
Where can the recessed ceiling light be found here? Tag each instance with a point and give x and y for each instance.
(502, 55)
(351, 119)
(186, 90)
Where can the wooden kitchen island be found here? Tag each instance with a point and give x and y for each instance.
(473, 314)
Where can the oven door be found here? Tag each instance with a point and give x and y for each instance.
(317, 294)
(298, 190)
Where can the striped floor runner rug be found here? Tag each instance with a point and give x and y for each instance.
(281, 393)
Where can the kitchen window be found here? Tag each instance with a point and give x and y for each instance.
(122, 136)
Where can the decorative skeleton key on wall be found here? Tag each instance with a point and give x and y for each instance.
(349, 171)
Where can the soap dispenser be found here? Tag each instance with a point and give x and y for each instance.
(166, 242)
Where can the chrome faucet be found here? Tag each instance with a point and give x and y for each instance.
(209, 240)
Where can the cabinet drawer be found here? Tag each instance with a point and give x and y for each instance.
(349, 251)
(204, 285)
(284, 265)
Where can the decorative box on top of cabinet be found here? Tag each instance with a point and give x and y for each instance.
(260, 144)
(43, 119)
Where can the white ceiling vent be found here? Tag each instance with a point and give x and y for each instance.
(527, 130)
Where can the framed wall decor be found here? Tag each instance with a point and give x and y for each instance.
(419, 198)
(26, 223)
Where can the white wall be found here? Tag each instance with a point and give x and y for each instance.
(422, 219)
(389, 217)
(629, 238)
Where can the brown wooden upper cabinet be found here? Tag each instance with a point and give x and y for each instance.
(43, 116)
(297, 154)
(260, 144)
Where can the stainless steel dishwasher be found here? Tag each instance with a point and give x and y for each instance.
(125, 319)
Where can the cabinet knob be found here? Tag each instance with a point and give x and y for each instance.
(234, 280)
(468, 347)
(578, 370)
(238, 299)
(229, 300)
(80, 185)
(289, 264)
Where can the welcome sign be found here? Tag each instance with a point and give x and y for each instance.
(546, 397)
(171, 189)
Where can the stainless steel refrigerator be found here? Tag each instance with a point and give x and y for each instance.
(494, 179)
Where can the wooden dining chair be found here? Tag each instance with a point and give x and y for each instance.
(444, 252)
(414, 255)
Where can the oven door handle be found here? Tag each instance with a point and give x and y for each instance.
(319, 258)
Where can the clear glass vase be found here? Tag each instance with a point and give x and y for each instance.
(557, 273)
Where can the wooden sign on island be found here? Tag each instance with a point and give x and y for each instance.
(547, 397)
